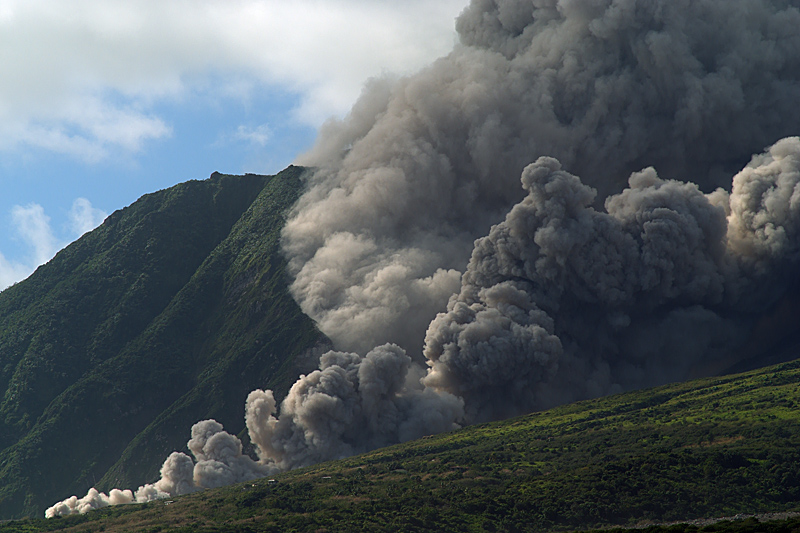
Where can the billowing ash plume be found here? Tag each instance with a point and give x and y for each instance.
(559, 302)
(562, 302)
(352, 404)
(650, 267)
(219, 462)
(423, 167)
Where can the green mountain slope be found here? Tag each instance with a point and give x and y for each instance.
(171, 311)
(706, 448)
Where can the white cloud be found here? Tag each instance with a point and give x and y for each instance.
(82, 77)
(259, 135)
(12, 272)
(83, 217)
(31, 225)
(253, 136)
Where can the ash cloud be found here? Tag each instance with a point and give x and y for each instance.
(425, 165)
(218, 461)
(627, 258)
(352, 404)
(562, 302)
(559, 302)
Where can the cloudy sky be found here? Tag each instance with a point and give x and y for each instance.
(104, 101)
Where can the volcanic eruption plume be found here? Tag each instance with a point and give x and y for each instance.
(422, 168)
(628, 257)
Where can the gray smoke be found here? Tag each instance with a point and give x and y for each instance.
(93, 500)
(562, 302)
(575, 287)
(219, 462)
(559, 302)
(352, 404)
(423, 166)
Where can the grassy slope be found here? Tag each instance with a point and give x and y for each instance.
(162, 313)
(247, 330)
(712, 447)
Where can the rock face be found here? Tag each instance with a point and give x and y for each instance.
(171, 311)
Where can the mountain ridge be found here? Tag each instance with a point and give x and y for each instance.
(180, 290)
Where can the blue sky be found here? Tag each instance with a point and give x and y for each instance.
(104, 101)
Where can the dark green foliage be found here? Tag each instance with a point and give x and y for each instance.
(741, 525)
(170, 312)
(708, 448)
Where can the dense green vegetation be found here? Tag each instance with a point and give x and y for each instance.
(737, 525)
(706, 448)
(170, 312)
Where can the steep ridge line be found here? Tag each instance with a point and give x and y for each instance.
(171, 310)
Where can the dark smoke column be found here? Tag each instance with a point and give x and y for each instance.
(562, 302)
(424, 165)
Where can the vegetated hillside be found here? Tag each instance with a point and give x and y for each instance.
(706, 448)
(170, 312)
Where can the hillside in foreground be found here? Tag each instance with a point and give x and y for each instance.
(705, 448)
(170, 312)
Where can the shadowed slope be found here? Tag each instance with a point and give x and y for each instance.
(172, 310)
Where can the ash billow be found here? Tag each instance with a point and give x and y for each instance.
(648, 268)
